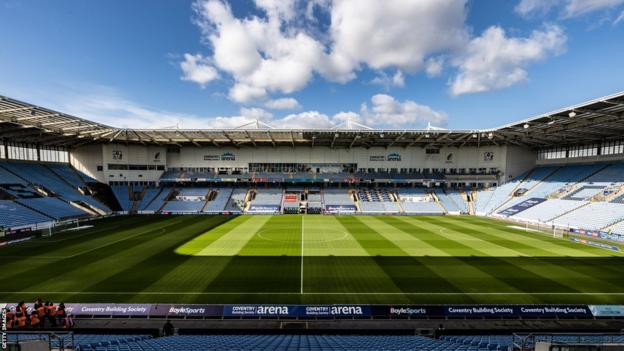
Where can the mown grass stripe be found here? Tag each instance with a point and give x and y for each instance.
(236, 238)
(411, 244)
(469, 278)
(119, 256)
(468, 237)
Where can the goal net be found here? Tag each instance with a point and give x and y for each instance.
(559, 233)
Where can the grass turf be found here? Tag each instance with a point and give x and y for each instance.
(309, 259)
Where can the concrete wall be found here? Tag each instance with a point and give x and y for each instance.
(511, 161)
(453, 157)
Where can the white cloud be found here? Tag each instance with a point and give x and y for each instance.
(575, 8)
(276, 53)
(383, 79)
(395, 33)
(263, 55)
(282, 104)
(619, 19)
(283, 47)
(196, 68)
(495, 61)
(305, 120)
(568, 8)
(385, 110)
(529, 7)
(398, 79)
(434, 66)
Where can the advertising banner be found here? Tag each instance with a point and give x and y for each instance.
(523, 206)
(607, 310)
(595, 244)
(335, 311)
(260, 311)
(186, 310)
(111, 309)
(345, 311)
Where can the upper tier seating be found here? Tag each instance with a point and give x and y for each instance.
(536, 176)
(7, 177)
(594, 216)
(561, 178)
(14, 215)
(39, 174)
(66, 172)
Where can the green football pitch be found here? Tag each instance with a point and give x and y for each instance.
(309, 259)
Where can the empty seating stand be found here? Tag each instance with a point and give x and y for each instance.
(14, 215)
(286, 343)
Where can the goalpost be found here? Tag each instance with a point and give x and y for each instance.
(558, 233)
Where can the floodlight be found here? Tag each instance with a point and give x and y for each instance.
(572, 114)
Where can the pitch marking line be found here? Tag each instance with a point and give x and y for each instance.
(305, 293)
(89, 250)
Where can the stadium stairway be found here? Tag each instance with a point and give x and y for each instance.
(540, 174)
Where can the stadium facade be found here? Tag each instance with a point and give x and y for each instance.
(265, 170)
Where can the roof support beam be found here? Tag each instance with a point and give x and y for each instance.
(397, 139)
(333, 140)
(355, 138)
(18, 109)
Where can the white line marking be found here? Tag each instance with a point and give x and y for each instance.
(301, 285)
(162, 230)
(116, 241)
(306, 293)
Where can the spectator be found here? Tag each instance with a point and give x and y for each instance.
(21, 320)
(61, 315)
(51, 313)
(10, 318)
(40, 308)
(21, 308)
(35, 322)
(168, 328)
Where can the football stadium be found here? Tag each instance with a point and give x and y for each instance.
(299, 224)
(312, 175)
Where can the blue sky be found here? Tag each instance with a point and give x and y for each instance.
(318, 63)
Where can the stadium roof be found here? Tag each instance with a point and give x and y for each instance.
(592, 121)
